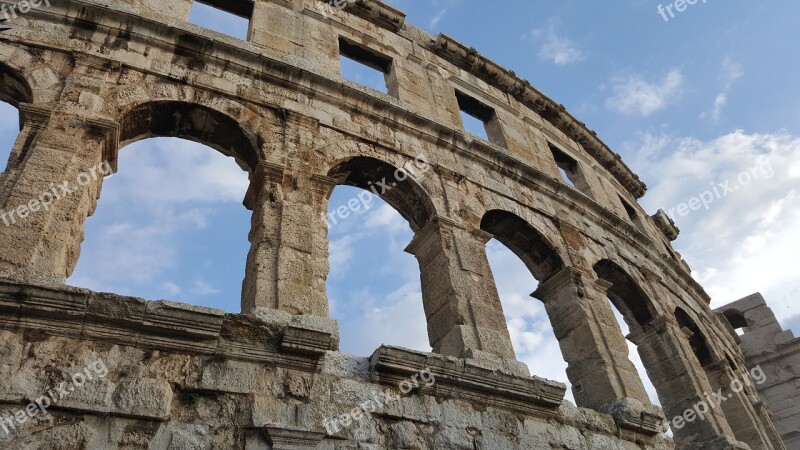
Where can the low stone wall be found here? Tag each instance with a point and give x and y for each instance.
(120, 372)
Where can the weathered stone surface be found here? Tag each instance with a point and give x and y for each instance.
(773, 355)
(92, 76)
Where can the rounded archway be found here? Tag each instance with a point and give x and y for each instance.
(193, 122)
(13, 91)
(394, 185)
(539, 255)
(374, 287)
(626, 295)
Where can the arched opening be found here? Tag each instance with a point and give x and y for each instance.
(374, 286)
(632, 309)
(625, 294)
(195, 123)
(170, 223)
(737, 321)
(520, 257)
(697, 339)
(13, 91)
(9, 130)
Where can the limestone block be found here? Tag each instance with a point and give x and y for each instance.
(143, 397)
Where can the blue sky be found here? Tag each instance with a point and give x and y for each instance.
(691, 103)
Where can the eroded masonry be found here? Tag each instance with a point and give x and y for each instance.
(92, 76)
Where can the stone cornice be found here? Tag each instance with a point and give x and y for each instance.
(458, 379)
(507, 81)
(166, 326)
(377, 12)
(666, 225)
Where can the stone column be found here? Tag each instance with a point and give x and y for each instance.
(463, 310)
(738, 408)
(50, 188)
(591, 340)
(287, 266)
(681, 384)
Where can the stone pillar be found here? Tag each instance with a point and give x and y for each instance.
(681, 384)
(741, 414)
(463, 310)
(591, 340)
(50, 188)
(287, 266)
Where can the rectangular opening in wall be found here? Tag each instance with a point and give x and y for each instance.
(479, 119)
(632, 214)
(570, 169)
(231, 17)
(366, 67)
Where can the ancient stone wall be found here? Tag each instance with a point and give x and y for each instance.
(91, 76)
(776, 352)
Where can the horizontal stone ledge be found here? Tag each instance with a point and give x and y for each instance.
(65, 311)
(459, 379)
(377, 12)
(292, 438)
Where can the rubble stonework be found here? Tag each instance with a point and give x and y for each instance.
(92, 76)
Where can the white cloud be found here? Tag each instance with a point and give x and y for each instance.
(183, 171)
(634, 95)
(730, 72)
(171, 288)
(716, 111)
(558, 49)
(398, 319)
(165, 189)
(341, 251)
(437, 18)
(202, 287)
(747, 240)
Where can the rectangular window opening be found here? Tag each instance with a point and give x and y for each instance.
(571, 172)
(230, 17)
(480, 119)
(366, 67)
(632, 214)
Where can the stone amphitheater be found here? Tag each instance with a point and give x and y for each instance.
(88, 370)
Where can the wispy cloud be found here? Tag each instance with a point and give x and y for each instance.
(558, 49)
(202, 287)
(437, 18)
(729, 73)
(633, 95)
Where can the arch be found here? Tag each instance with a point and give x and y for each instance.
(185, 232)
(14, 89)
(626, 294)
(193, 122)
(392, 184)
(697, 340)
(538, 254)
